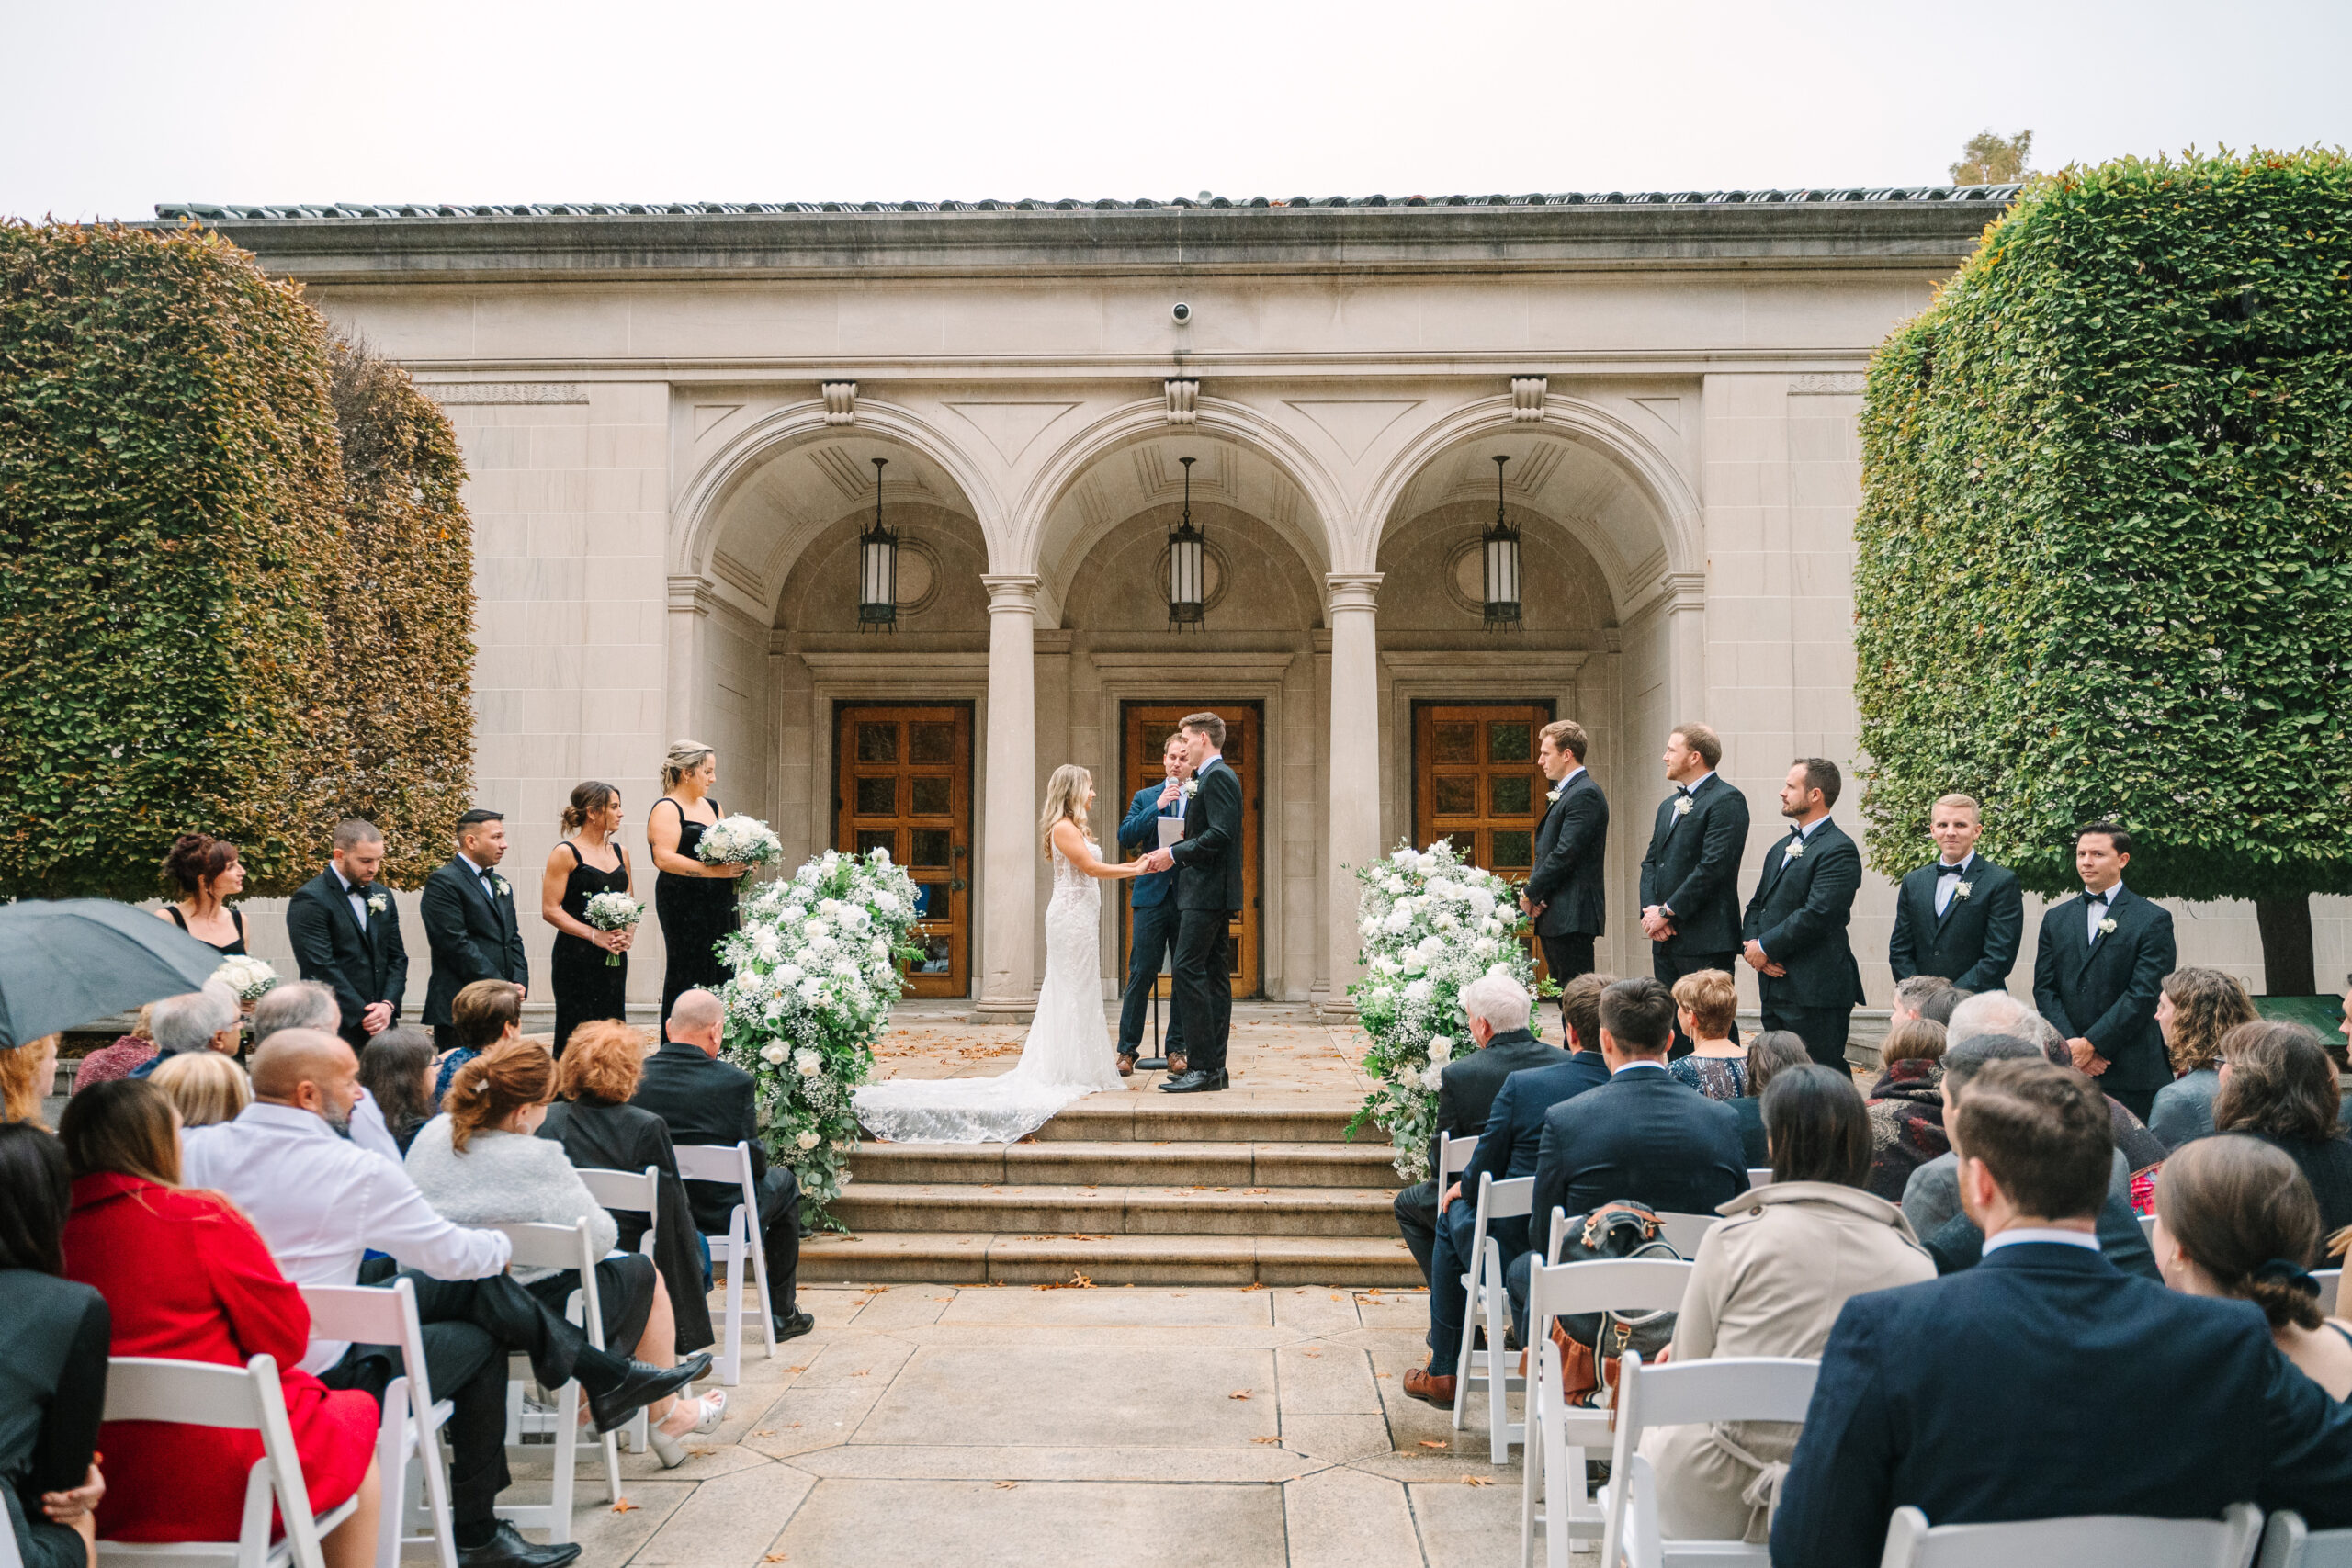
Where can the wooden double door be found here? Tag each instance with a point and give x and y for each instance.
(1475, 782)
(1145, 729)
(903, 782)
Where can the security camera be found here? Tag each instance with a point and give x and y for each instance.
(1183, 313)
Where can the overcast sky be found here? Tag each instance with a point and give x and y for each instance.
(109, 108)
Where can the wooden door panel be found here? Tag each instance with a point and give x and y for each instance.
(1145, 730)
(904, 783)
(1475, 782)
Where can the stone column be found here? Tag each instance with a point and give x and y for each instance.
(1353, 761)
(1009, 821)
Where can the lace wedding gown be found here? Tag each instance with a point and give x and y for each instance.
(1068, 1054)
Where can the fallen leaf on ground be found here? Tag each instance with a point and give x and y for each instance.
(1265, 1440)
(1433, 1443)
(1258, 1192)
(1313, 1354)
(1006, 1485)
(862, 1371)
(765, 1432)
(772, 1557)
(624, 1505)
(1238, 1393)
(1254, 1286)
(1476, 1481)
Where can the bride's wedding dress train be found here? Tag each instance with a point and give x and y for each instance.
(1067, 1056)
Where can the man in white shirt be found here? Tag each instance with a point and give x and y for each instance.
(310, 1004)
(320, 1203)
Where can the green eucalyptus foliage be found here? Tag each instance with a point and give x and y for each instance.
(2104, 555)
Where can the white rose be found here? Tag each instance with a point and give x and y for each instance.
(809, 1064)
(773, 1011)
(1427, 864)
(812, 929)
(771, 1055)
(807, 1140)
(1417, 991)
(1395, 886)
(1484, 947)
(1398, 922)
(811, 990)
(1482, 901)
(1406, 857)
(1440, 1048)
(788, 975)
(886, 902)
(1501, 971)
(766, 946)
(1447, 923)
(1370, 926)
(1414, 962)
(1432, 1077)
(879, 947)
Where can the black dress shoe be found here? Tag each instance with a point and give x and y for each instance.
(1198, 1081)
(507, 1549)
(641, 1386)
(791, 1325)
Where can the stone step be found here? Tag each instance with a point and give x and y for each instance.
(1075, 1162)
(945, 1257)
(1233, 1116)
(1113, 1212)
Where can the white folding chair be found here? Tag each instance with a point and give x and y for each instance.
(1488, 1306)
(1759, 1176)
(2148, 1229)
(1682, 1232)
(8, 1557)
(1453, 1157)
(732, 1163)
(2288, 1542)
(2329, 1279)
(242, 1399)
(413, 1418)
(1684, 1393)
(556, 1247)
(635, 1193)
(1558, 1435)
(2095, 1541)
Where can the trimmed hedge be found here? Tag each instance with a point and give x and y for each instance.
(180, 581)
(2104, 555)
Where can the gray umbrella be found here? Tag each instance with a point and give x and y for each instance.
(67, 962)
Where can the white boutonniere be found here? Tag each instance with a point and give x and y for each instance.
(377, 903)
(1553, 795)
(505, 889)
(2106, 927)
(1192, 789)
(1796, 848)
(1682, 805)
(1962, 889)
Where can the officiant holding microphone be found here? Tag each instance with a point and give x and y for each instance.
(1151, 907)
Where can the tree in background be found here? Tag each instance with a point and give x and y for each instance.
(1990, 160)
(2104, 555)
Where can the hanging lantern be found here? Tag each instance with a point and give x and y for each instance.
(878, 567)
(1187, 564)
(1501, 543)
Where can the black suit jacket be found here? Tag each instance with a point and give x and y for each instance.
(1208, 857)
(1513, 1135)
(365, 965)
(2045, 1383)
(1692, 868)
(1645, 1134)
(1569, 846)
(1466, 1088)
(2105, 993)
(597, 1134)
(704, 1101)
(1800, 913)
(1974, 944)
(474, 937)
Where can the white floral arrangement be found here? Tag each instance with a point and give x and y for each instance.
(739, 841)
(818, 964)
(613, 911)
(248, 977)
(1431, 925)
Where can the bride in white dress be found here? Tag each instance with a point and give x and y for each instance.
(1068, 1054)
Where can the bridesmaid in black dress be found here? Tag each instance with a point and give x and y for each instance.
(589, 860)
(695, 901)
(209, 875)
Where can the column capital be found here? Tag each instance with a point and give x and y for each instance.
(1351, 590)
(1012, 591)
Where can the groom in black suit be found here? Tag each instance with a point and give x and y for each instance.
(1208, 894)
(1564, 892)
(468, 913)
(1691, 875)
(1960, 917)
(346, 933)
(1796, 923)
(2098, 969)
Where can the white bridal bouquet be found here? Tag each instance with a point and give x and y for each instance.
(1431, 925)
(739, 841)
(818, 964)
(248, 977)
(612, 912)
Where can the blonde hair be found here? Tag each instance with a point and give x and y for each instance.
(1712, 1000)
(683, 758)
(1063, 793)
(21, 1089)
(208, 1087)
(1967, 800)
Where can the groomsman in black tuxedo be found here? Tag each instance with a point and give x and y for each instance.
(1564, 892)
(468, 913)
(346, 933)
(1796, 923)
(1691, 875)
(1962, 916)
(2097, 970)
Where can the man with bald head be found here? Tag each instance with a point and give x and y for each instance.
(706, 1100)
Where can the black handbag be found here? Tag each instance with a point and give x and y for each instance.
(1590, 1342)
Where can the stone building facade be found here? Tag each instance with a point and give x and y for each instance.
(670, 417)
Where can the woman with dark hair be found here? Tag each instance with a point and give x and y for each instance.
(2234, 1217)
(1769, 1051)
(483, 1013)
(1906, 1106)
(186, 1276)
(2279, 1083)
(397, 1069)
(591, 975)
(53, 1375)
(208, 875)
(2194, 1008)
(1769, 1280)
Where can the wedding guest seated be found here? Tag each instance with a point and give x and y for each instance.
(27, 1072)
(1498, 1008)
(480, 1163)
(396, 1071)
(705, 1100)
(482, 1014)
(1997, 1012)
(186, 1276)
(2279, 1083)
(1707, 1006)
(1914, 994)
(2045, 1383)
(1769, 1280)
(1769, 1051)
(600, 1130)
(2234, 1217)
(118, 1060)
(311, 1004)
(1508, 1146)
(2194, 1008)
(203, 1019)
(1906, 1106)
(205, 1087)
(1940, 1004)
(54, 1376)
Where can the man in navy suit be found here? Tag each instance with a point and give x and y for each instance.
(346, 933)
(2045, 1383)
(1961, 917)
(1691, 875)
(468, 913)
(1151, 907)
(1208, 895)
(1796, 923)
(1564, 892)
(2098, 969)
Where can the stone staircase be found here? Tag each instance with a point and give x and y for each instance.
(1242, 1188)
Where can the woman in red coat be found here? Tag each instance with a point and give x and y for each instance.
(186, 1276)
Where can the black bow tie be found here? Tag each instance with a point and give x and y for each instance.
(1943, 870)
(2091, 897)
